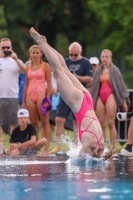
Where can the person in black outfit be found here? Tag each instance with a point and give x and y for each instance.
(23, 137)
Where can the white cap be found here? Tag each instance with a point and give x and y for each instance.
(23, 113)
(94, 60)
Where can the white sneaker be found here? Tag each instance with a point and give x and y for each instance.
(121, 116)
(124, 152)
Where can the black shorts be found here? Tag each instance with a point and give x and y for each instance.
(8, 111)
(63, 110)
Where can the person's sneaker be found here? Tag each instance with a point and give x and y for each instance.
(55, 150)
(121, 116)
(125, 152)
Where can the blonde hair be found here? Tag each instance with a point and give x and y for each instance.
(107, 50)
(35, 46)
(5, 39)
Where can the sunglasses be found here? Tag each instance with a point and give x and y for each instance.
(75, 55)
(5, 47)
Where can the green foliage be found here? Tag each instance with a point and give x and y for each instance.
(94, 24)
(3, 30)
(115, 19)
(72, 19)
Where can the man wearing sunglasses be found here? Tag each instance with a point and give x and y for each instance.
(10, 67)
(80, 66)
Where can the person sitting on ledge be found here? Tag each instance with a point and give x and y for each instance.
(23, 137)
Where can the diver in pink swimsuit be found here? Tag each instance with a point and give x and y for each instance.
(87, 104)
(77, 98)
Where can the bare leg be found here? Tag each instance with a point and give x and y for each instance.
(40, 143)
(130, 132)
(101, 115)
(74, 80)
(0, 131)
(59, 129)
(33, 114)
(75, 131)
(111, 113)
(73, 97)
(41, 40)
(44, 122)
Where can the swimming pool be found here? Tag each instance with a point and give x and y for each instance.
(52, 179)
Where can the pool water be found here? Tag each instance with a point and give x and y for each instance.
(50, 178)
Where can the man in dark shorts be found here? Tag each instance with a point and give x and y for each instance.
(23, 137)
(82, 69)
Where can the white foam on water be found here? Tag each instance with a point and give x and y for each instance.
(21, 175)
(35, 162)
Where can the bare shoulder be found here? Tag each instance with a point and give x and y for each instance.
(46, 66)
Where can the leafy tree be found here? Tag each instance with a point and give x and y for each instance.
(3, 30)
(74, 20)
(115, 18)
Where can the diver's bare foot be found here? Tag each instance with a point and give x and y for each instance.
(36, 36)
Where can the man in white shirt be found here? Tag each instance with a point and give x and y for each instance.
(10, 67)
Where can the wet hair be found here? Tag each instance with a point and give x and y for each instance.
(73, 44)
(5, 39)
(107, 50)
(107, 155)
(35, 46)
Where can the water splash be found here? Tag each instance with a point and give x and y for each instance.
(77, 158)
(74, 149)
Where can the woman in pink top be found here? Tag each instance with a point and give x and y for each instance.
(108, 92)
(77, 97)
(35, 90)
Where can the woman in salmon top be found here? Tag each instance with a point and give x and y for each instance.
(37, 75)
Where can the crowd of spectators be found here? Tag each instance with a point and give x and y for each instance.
(28, 85)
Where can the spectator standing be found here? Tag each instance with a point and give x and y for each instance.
(94, 62)
(10, 67)
(81, 68)
(108, 92)
(35, 91)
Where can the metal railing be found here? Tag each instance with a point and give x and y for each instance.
(122, 127)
